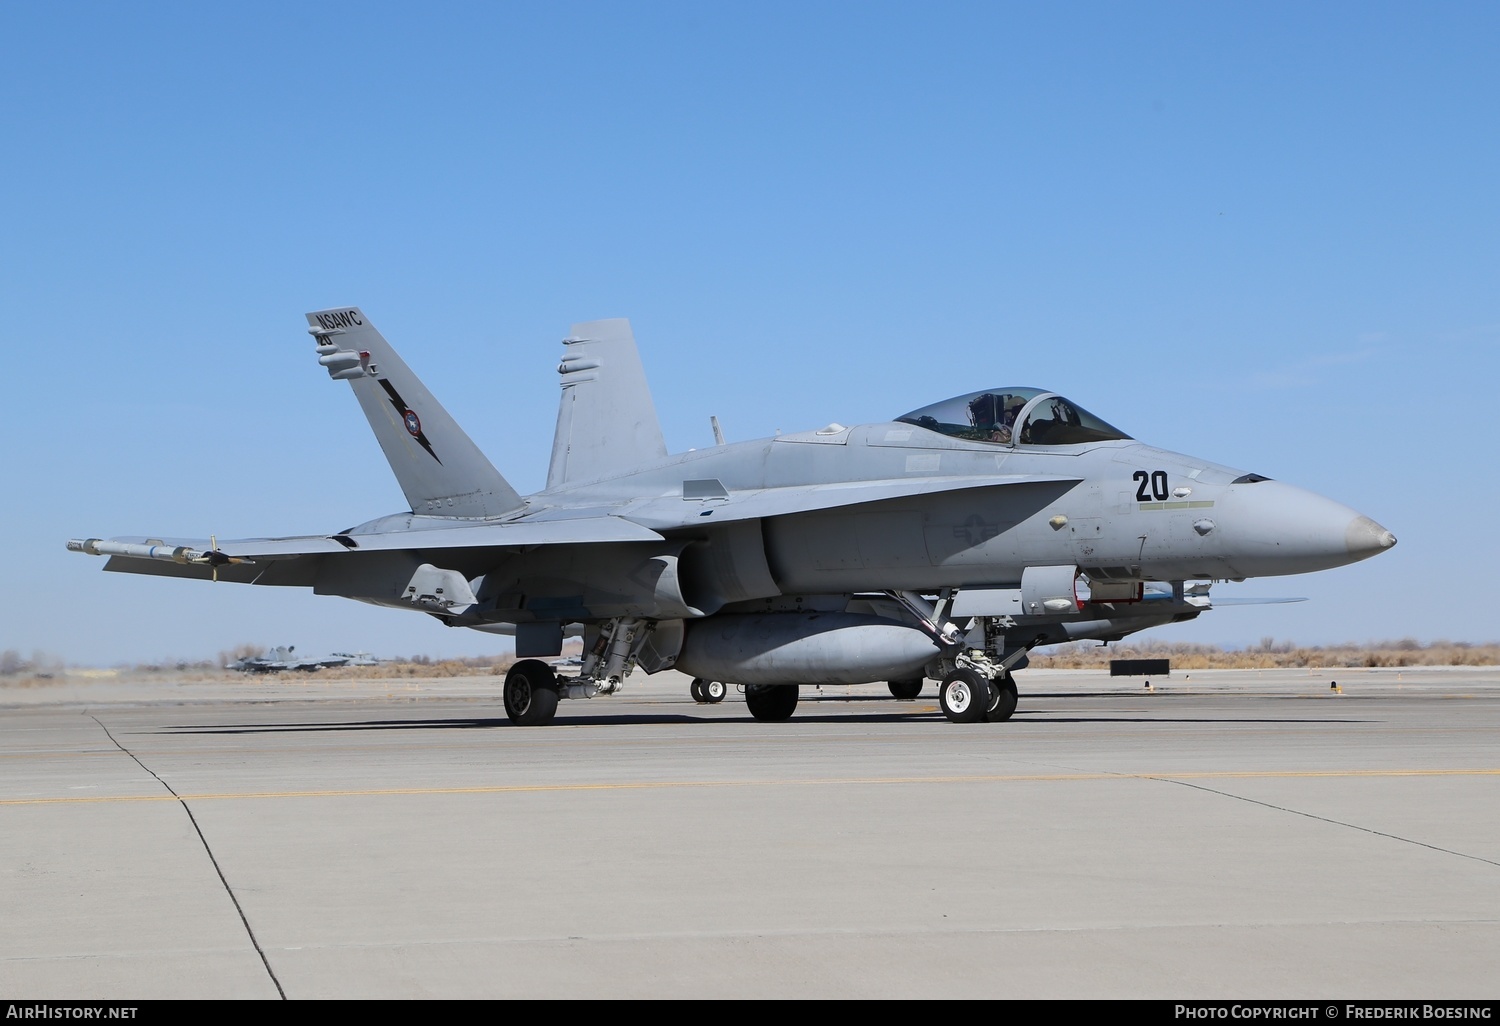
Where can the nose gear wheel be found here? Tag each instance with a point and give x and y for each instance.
(1003, 699)
(965, 696)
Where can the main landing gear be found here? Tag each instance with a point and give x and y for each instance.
(905, 690)
(531, 693)
(533, 689)
(772, 701)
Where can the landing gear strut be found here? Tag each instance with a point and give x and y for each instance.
(977, 684)
(533, 689)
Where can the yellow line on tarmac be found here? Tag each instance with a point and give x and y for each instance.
(814, 781)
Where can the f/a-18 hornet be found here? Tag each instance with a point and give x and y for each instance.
(944, 544)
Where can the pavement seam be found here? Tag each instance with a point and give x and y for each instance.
(1325, 819)
(250, 932)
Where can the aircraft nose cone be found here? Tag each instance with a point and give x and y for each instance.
(1272, 528)
(1365, 538)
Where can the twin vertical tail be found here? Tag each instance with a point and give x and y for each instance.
(606, 421)
(441, 470)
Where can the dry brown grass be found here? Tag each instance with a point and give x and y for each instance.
(1268, 654)
(420, 667)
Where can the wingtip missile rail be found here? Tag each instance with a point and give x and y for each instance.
(167, 553)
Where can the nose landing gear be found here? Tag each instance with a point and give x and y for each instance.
(708, 692)
(968, 696)
(965, 696)
(1003, 699)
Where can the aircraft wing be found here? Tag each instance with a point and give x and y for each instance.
(507, 535)
(246, 559)
(325, 662)
(709, 501)
(272, 560)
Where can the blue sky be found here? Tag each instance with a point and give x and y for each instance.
(1265, 234)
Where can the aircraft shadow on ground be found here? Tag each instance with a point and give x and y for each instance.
(1022, 719)
(471, 723)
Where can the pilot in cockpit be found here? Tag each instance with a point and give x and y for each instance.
(1001, 416)
(994, 416)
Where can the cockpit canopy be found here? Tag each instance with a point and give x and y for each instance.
(1029, 416)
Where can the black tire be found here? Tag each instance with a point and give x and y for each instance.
(696, 690)
(772, 701)
(1003, 698)
(905, 690)
(714, 691)
(965, 696)
(530, 693)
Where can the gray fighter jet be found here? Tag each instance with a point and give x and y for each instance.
(945, 543)
(284, 658)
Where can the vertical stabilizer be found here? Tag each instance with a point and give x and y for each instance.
(440, 469)
(606, 422)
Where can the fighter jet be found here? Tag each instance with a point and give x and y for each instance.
(284, 658)
(943, 544)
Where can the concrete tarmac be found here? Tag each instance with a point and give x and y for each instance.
(1229, 834)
